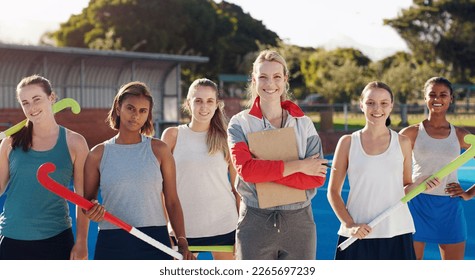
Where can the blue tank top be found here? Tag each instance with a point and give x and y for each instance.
(31, 212)
(131, 184)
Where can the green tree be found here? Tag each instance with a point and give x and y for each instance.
(443, 30)
(338, 74)
(406, 79)
(294, 55)
(220, 31)
(345, 83)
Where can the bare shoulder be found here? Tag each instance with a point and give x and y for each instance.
(75, 139)
(341, 155)
(404, 140)
(6, 141)
(161, 150)
(6, 145)
(343, 144)
(76, 144)
(96, 152)
(170, 132)
(411, 131)
(99, 148)
(461, 133)
(169, 136)
(345, 140)
(158, 146)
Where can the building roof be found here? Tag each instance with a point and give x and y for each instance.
(92, 76)
(15, 49)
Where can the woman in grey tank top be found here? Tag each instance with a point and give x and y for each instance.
(133, 170)
(438, 216)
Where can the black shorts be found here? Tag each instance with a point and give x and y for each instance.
(118, 244)
(57, 247)
(399, 247)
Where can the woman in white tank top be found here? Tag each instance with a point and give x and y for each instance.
(378, 163)
(209, 200)
(438, 215)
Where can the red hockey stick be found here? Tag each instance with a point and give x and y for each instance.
(58, 189)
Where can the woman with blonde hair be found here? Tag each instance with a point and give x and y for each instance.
(285, 232)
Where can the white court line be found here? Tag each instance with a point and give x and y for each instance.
(467, 168)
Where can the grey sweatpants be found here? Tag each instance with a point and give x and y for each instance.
(276, 235)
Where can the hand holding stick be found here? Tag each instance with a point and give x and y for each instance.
(443, 172)
(80, 201)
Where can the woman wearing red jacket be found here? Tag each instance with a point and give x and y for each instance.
(288, 231)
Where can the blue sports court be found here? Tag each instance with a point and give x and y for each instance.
(328, 224)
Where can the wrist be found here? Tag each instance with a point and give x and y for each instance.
(181, 241)
(81, 241)
(349, 225)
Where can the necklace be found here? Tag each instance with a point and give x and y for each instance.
(281, 119)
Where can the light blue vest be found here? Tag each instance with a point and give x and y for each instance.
(131, 184)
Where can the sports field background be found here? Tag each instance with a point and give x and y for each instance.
(328, 224)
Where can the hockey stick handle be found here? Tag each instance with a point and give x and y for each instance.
(57, 107)
(343, 245)
(447, 169)
(64, 103)
(60, 190)
(210, 248)
(443, 172)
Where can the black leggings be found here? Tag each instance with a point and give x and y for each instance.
(57, 247)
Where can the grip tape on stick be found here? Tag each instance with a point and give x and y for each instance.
(58, 106)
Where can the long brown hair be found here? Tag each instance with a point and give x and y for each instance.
(24, 137)
(132, 89)
(216, 139)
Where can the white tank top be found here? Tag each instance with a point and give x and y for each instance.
(376, 184)
(203, 186)
(430, 154)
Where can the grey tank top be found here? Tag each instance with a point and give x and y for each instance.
(131, 184)
(431, 154)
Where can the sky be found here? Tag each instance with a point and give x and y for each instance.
(307, 23)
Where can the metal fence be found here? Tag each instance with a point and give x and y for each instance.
(462, 112)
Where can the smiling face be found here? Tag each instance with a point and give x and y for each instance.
(437, 97)
(270, 81)
(36, 104)
(203, 103)
(376, 105)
